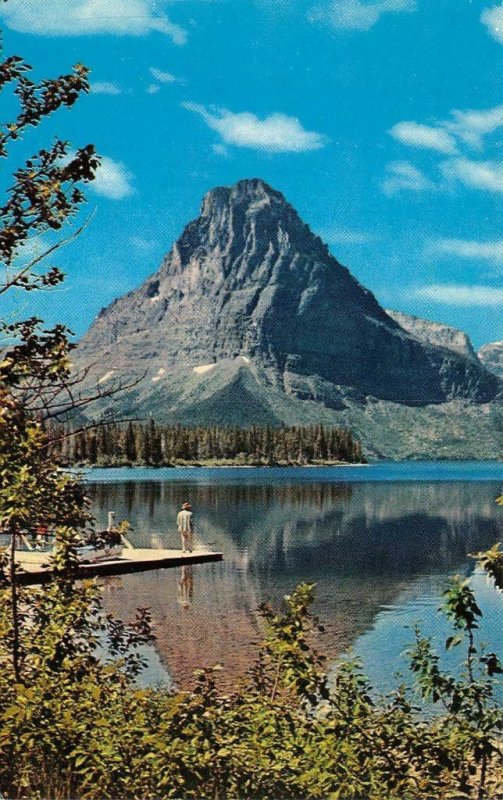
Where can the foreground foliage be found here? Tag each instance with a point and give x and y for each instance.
(492, 560)
(76, 725)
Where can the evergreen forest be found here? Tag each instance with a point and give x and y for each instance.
(154, 445)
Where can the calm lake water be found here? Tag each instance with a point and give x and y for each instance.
(379, 542)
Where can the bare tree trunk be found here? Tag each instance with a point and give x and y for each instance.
(14, 607)
(481, 793)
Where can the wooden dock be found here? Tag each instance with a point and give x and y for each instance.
(34, 567)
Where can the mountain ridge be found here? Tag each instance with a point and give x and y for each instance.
(491, 356)
(249, 303)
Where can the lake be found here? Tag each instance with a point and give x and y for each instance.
(379, 541)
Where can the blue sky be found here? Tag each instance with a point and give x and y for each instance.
(381, 121)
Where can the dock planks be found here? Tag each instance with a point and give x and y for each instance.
(35, 566)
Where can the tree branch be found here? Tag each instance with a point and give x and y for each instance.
(29, 267)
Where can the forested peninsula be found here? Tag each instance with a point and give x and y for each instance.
(152, 445)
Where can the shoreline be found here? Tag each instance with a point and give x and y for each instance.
(411, 472)
(327, 464)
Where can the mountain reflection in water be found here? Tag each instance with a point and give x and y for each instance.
(365, 545)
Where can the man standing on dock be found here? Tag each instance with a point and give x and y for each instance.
(185, 527)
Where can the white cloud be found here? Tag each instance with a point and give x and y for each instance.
(153, 88)
(105, 87)
(161, 76)
(112, 179)
(276, 133)
(468, 127)
(485, 175)
(404, 176)
(471, 126)
(355, 15)
(459, 295)
(463, 248)
(492, 18)
(423, 136)
(87, 17)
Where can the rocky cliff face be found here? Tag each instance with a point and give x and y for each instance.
(436, 334)
(491, 356)
(250, 319)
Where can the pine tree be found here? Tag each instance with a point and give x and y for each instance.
(155, 444)
(145, 446)
(320, 447)
(130, 444)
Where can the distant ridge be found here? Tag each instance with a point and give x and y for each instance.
(491, 355)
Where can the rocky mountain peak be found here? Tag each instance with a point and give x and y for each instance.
(249, 192)
(250, 297)
(244, 224)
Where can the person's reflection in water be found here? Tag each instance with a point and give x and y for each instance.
(185, 587)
